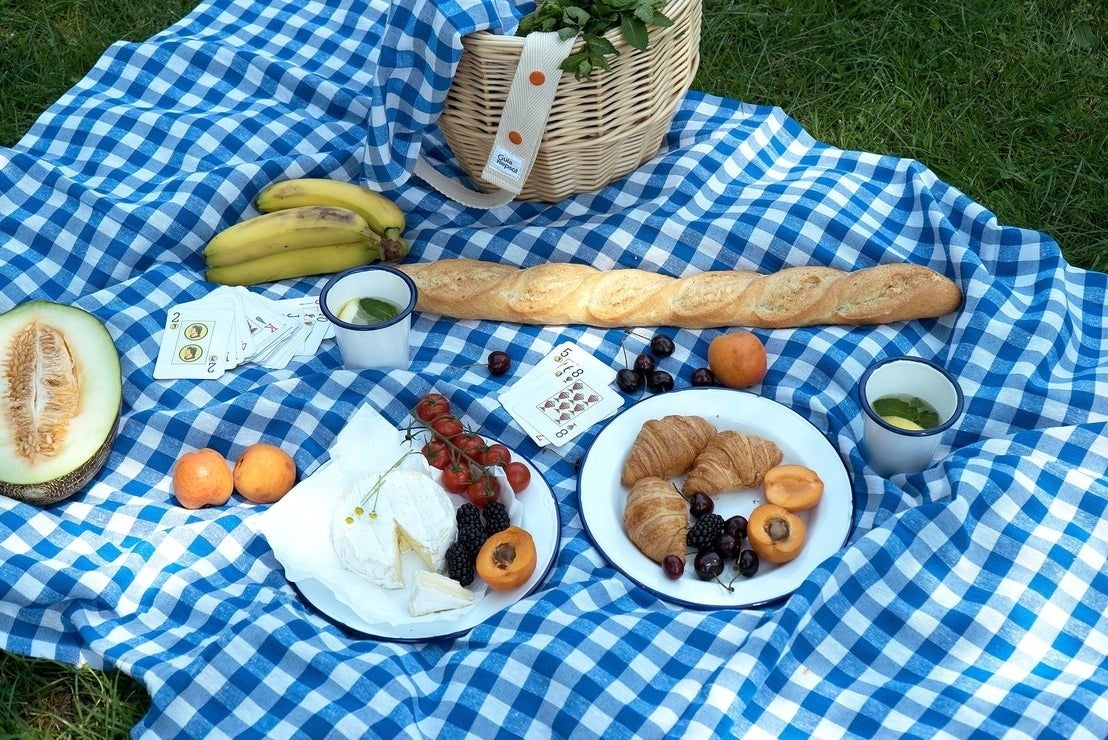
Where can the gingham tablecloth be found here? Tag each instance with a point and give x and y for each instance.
(969, 600)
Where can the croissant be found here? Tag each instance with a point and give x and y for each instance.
(666, 447)
(731, 460)
(656, 518)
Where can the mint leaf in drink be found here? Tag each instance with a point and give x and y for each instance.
(376, 309)
(913, 409)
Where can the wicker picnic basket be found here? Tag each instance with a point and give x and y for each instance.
(599, 129)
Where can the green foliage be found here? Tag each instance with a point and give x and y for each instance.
(591, 19)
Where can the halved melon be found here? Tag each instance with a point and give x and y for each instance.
(61, 392)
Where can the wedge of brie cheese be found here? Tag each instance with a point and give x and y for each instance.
(434, 592)
(374, 525)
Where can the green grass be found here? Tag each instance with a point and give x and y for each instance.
(54, 701)
(1004, 99)
(1007, 100)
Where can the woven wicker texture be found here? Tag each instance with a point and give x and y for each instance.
(599, 129)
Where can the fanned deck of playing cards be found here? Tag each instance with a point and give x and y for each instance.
(564, 395)
(232, 326)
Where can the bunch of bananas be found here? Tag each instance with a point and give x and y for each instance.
(307, 226)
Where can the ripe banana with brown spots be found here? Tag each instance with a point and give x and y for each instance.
(381, 213)
(285, 231)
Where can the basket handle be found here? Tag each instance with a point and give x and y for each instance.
(521, 126)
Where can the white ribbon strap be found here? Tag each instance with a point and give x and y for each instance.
(521, 126)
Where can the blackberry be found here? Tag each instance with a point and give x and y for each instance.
(461, 563)
(471, 530)
(496, 518)
(703, 534)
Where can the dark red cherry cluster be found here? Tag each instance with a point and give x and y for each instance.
(716, 541)
(644, 371)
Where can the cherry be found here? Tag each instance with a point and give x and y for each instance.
(748, 563)
(703, 377)
(659, 381)
(727, 546)
(701, 504)
(708, 565)
(735, 526)
(628, 380)
(499, 362)
(661, 345)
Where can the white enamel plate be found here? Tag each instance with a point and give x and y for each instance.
(602, 496)
(538, 515)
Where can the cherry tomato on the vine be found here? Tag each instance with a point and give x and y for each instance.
(447, 426)
(519, 475)
(456, 477)
(483, 490)
(471, 444)
(437, 453)
(497, 454)
(431, 407)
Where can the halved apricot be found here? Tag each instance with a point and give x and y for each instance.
(776, 534)
(796, 487)
(507, 559)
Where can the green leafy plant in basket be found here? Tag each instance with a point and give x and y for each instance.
(591, 19)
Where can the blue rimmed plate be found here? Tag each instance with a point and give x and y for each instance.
(602, 497)
(538, 515)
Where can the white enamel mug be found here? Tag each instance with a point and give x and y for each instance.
(890, 449)
(381, 345)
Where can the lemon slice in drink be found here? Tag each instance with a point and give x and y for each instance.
(900, 421)
(366, 311)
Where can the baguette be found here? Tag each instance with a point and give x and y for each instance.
(565, 293)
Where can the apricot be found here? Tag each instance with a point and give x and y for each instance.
(795, 487)
(264, 473)
(776, 534)
(507, 559)
(737, 359)
(202, 478)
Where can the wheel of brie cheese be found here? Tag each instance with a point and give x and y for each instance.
(380, 519)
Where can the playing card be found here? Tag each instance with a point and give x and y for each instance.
(194, 343)
(268, 326)
(563, 396)
(217, 301)
(310, 322)
(242, 344)
(251, 328)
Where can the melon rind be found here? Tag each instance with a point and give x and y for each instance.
(92, 431)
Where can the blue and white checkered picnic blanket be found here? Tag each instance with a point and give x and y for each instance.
(971, 598)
